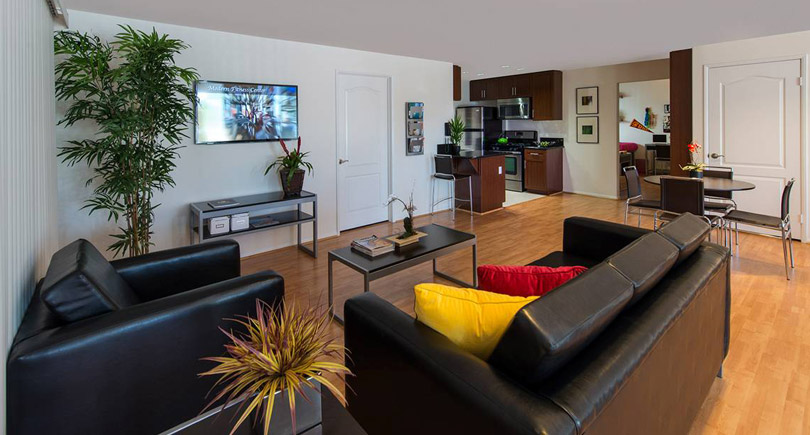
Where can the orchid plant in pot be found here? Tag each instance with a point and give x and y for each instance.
(408, 221)
(283, 351)
(291, 168)
(694, 167)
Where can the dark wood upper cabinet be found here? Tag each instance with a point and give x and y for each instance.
(547, 96)
(544, 88)
(486, 89)
(515, 86)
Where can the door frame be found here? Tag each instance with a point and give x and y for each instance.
(804, 121)
(389, 136)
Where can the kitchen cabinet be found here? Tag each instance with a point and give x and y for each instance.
(544, 88)
(515, 86)
(486, 89)
(547, 96)
(542, 170)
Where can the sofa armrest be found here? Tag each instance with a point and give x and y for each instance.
(163, 273)
(410, 379)
(596, 239)
(131, 371)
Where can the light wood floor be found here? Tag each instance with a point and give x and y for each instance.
(766, 383)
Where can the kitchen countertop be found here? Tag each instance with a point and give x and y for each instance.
(476, 154)
(543, 148)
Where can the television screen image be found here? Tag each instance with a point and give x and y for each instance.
(242, 112)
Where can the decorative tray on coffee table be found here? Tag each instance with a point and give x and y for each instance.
(406, 241)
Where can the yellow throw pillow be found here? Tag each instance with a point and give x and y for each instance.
(473, 319)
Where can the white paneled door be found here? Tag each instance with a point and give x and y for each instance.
(363, 146)
(754, 126)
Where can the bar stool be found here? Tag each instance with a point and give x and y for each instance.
(445, 171)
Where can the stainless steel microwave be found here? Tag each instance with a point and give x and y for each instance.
(515, 108)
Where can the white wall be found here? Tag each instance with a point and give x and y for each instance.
(757, 49)
(214, 171)
(28, 190)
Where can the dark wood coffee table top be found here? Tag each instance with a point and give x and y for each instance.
(438, 237)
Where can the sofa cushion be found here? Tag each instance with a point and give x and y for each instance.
(547, 333)
(524, 280)
(644, 262)
(473, 320)
(686, 232)
(81, 283)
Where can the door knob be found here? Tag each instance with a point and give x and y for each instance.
(715, 155)
(342, 161)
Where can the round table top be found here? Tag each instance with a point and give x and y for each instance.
(711, 183)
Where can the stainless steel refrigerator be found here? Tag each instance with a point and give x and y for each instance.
(481, 126)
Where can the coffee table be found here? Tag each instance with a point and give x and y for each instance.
(439, 241)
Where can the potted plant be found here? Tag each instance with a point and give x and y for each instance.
(140, 102)
(291, 167)
(695, 169)
(456, 133)
(283, 351)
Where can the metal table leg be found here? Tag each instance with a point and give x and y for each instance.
(457, 281)
(331, 295)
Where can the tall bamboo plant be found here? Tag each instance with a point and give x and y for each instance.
(141, 103)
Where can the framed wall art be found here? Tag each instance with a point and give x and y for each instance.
(588, 100)
(587, 129)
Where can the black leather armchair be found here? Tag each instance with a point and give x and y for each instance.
(133, 370)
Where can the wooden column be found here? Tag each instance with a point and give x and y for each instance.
(680, 97)
(456, 83)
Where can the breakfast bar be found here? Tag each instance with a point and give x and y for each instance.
(488, 180)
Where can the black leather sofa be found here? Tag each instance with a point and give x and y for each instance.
(115, 347)
(631, 346)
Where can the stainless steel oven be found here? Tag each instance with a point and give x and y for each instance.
(515, 108)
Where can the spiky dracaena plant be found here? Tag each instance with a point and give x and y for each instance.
(140, 102)
(281, 350)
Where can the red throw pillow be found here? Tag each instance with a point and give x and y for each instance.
(524, 280)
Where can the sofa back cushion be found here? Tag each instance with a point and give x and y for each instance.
(686, 232)
(645, 262)
(81, 283)
(524, 280)
(547, 333)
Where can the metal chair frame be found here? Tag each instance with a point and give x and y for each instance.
(629, 203)
(784, 228)
(437, 159)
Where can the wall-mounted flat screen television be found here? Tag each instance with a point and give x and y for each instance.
(245, 112)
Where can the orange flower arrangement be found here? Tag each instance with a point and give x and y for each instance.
(693, 166)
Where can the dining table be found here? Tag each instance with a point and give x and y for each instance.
(712, 183)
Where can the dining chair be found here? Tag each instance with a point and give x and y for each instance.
(681, 195)
(635, 197)
(660, 154)
(781, 224)
(719, 202)
(445, 171)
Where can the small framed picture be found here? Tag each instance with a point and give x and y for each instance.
(587, 129)
(588, 100)
(666, 108)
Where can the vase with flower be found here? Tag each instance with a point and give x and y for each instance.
(694, 167)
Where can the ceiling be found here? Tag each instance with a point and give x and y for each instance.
(487, 38)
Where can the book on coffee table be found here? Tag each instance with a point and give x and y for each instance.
(372, 246)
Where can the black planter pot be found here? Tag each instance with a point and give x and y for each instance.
(696, 174)
(294, 187)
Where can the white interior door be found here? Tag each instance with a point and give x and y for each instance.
(363, 144)
(754, 126)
